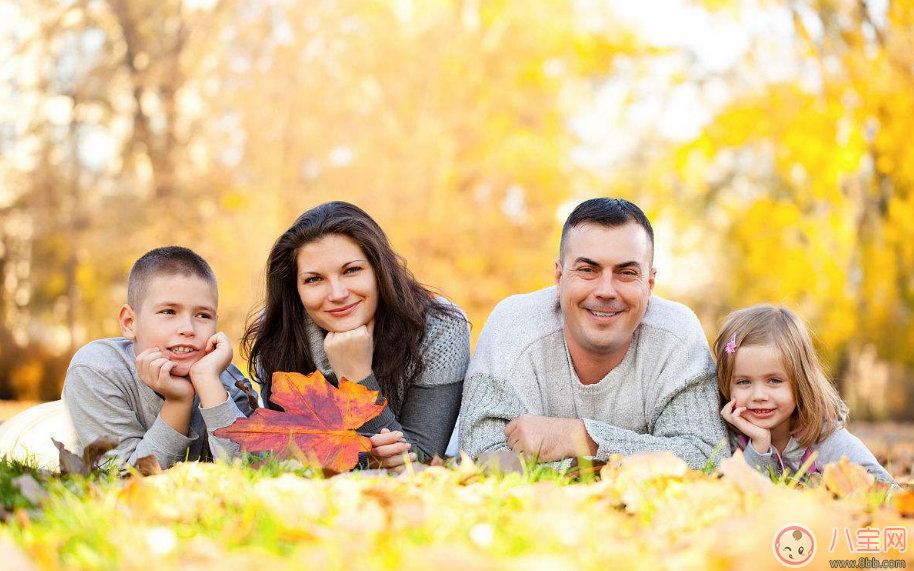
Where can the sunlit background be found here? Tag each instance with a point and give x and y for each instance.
(769, 141)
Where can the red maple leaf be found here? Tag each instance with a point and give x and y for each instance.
(319, 419)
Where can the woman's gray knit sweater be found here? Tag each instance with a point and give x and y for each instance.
(431, 403)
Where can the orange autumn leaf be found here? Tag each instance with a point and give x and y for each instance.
(904, 503)
(844, 478)
(737, 471)
(319, 419)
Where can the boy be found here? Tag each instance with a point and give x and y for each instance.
(168, 383)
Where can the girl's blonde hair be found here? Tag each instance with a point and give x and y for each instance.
(819, 408)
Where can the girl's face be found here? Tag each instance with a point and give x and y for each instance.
(760, 383)
(336, 284)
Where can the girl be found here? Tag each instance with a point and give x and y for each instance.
(780, 401)
(340, 300)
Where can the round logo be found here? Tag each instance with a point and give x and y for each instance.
(794, 545)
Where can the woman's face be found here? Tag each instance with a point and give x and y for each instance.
(336, 283)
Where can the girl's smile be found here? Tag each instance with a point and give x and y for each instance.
(761, 384)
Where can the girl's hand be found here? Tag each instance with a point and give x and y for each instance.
(760, 437)
(350, 352)
(388, 450)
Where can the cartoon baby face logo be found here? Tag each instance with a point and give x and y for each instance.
(794, 545)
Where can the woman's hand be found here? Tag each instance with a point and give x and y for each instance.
(350, 352)
(389, 450)
(760, 437)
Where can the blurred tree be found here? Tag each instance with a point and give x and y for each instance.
(805, 177)
(214, 124)
(446, 120)
(91, 168)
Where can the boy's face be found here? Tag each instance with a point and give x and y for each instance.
(177, 315)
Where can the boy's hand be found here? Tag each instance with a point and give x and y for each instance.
(216, 359)
(155, 372)
(760, 437)
(350, 352)
(204, 374)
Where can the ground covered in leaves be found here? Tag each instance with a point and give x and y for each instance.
(642, 512)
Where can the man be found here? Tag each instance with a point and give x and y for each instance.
(595, 365)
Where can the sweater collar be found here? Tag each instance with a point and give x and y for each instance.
(316, 344)
(620, 370)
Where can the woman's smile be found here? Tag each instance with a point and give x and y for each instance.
(343, 311)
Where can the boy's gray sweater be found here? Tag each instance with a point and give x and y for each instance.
(105, 397)
(662, 396)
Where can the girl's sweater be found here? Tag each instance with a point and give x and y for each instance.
(839, 443)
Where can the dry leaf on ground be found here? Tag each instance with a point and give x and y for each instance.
(844, 478)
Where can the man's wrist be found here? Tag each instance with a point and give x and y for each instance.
(581, 442)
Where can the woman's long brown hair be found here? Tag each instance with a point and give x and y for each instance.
(275, 338)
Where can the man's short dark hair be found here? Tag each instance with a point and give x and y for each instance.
(167, 261)
(607, 212)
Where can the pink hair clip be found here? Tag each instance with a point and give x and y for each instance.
(731, 346)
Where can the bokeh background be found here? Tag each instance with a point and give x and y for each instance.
(770, 142)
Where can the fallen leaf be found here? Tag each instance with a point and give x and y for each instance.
(14, 559)
(252, 398)
(367, 473)
(736, 470)
(319, 419)
(95, 451)
(30, 488)
(844, 478)
(904, 503)
(500, 462)
(654, 465)
(70, 463)
(590, 469)
(436, 463)
(148, 466)
(466, 471)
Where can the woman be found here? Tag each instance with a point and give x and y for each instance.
(341, 301)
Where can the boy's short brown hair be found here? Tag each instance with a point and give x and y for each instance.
(167, 261)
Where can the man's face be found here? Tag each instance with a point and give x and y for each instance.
(178, 315)
(604, 281)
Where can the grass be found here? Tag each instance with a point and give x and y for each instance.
(272, 514)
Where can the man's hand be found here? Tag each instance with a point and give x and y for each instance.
(154, 369)
(549, 439)
(760, 437)
(350, 352)
(204, 374)
(389, 450)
